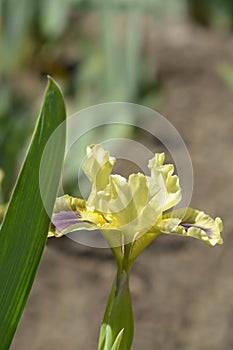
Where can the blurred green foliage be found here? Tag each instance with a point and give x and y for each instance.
(98, 50)
(97, 56)
(15, 127)
(211, 12)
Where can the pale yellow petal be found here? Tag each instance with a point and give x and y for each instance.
(131, 206)
(71, 214)
(97, 167)
(194, 223)
(162, 174)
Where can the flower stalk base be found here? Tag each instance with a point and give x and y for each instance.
(117, 328)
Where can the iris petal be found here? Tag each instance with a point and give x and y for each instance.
(65, 219)
(133, 205)
(164, 178)
(71, 214)
(194, 223)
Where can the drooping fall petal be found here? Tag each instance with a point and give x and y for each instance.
(193, 223)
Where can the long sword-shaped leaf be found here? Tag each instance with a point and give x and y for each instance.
(25, 226)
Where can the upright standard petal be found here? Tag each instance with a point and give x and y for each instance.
(162, 174)
(132, 205)
(97, 167)
(129, 205)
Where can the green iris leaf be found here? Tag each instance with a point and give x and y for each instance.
(24, 230)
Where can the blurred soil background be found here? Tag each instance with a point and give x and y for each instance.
(179, 61)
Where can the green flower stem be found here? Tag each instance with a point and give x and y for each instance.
(123, 260)
(118, 315)
(126, 260)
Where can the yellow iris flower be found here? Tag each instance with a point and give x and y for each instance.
(131, 213)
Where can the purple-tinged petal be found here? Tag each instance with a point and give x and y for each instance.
(64, 219)
(187, 226)
(192, 223)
